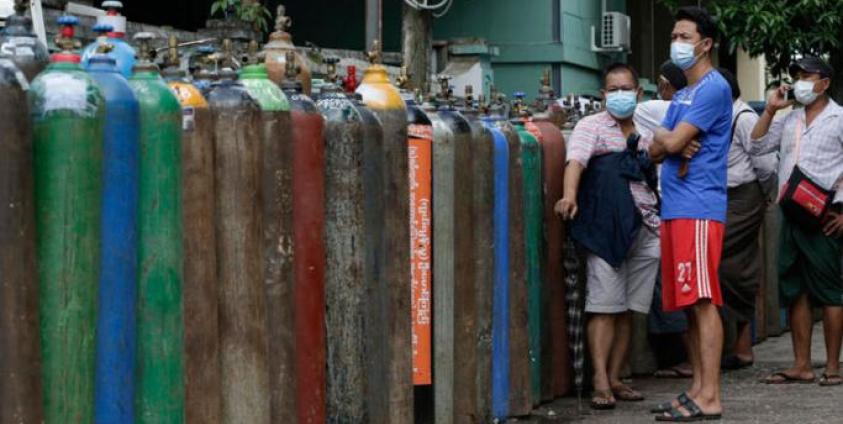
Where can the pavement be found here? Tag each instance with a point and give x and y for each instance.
(745, 400)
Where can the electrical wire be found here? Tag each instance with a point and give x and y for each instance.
(445, 11)
(415, 4)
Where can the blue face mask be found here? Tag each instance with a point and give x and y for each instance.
(621, 104)
(682, 55)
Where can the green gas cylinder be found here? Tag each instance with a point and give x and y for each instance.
(531, 163)
(67, 110)
(159, 395)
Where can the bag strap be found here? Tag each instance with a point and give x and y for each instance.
(735, 122)
(799, 128)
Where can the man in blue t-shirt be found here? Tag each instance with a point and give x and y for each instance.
(697, 125)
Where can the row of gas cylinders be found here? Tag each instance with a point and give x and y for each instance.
(243, 254)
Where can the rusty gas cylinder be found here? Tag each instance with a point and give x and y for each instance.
(280, 43)
(200, 291)
(454, 298)
(483, 203)
(353, 224)
(391, 390)
(308, 258)
(548, 121)
(239, 235)
(20, 44)
(20, 367)
(276, 190)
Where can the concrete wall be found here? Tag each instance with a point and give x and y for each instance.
(532, 36)
(752, 76)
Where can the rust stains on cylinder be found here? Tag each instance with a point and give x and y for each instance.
(201, 301)
(483, 193)
(390, 383)
(308, 223)
(239, 233)
(20, 359)
(353, 218)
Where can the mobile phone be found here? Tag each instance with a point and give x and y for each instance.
(788, 95)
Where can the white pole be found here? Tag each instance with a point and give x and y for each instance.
(38, 21)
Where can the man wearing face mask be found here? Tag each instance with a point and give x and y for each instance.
(610, 194)
(810, 142)
(694, 208)
(651, 113)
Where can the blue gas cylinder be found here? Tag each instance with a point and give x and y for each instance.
(116, 325)
(500, 298)
(122, 52)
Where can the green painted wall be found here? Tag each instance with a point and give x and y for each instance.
(532, 36)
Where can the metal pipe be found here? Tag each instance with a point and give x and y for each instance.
(373, 21)
(188, 44)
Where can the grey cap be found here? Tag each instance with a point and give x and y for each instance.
(811, 65)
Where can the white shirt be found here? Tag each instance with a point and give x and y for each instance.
(650, 114)
(821, 149)
(741, 170)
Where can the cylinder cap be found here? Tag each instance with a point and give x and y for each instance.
(102, 28)
(102, 59)
(112, 4)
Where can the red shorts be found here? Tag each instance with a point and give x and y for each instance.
(691, 250)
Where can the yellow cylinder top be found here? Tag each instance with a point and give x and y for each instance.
(377, 91)
(188, 95)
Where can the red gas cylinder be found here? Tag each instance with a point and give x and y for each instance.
(547, 121)
(308, 256)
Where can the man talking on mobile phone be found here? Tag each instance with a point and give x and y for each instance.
(810, 142)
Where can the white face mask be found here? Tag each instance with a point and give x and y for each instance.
(804, 93)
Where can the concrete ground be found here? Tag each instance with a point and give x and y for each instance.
(745, 399)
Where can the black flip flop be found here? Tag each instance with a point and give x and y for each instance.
(733, 363)
(667, 406)
(676, 416)
(828, 380)
(787, 379)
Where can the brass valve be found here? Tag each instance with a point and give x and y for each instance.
(65, 39)
(469, 95)
(375, 55)
(291, 69)
(144, 51)
(172, 51)
(444, 86)
(403, 79)
(331, 62)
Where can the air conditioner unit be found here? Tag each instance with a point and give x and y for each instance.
(614, 29)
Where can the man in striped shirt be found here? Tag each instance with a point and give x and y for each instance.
(810, 137)
(616, 219)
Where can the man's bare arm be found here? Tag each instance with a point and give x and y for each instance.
(675, 141)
